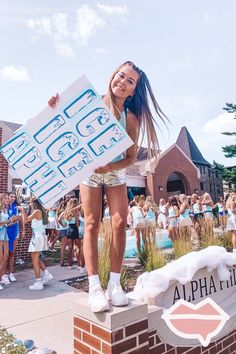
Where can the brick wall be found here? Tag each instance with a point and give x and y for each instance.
(174, 161)
(23, 243)
(3, 169)
(129, 330)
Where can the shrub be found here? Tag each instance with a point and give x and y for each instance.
(9, 344)
(182, 246)
(155, 258)
(104, 256)
(150, 257)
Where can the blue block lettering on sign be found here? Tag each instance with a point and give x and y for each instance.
(62, 146)
(79, 103)
(52, 192)
(106, 140)
(50, 128)
(75, 163)
(15, 146)
(93, 122)
(39, 177)
(29, 160)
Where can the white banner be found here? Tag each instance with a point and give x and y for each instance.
(61, 147)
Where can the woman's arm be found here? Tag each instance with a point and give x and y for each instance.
(176, 209)
(132, 128)
(183, 207)
(35, 215)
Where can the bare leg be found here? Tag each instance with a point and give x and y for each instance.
(12, 256)
(63, 248)
(234, 239)
(4, 257)
(137, 235)
(70, 251)
(42, 265)
(35, 261)
(91, 199)
(118, 205)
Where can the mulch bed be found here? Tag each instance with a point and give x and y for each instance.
(133, 270)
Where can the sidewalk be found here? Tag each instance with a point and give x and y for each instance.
(45, 316)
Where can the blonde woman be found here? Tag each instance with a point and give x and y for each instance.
(4, 244)
(207, 205)
(231, 222)
(162, 214)
(221, 212)
(139, 225)
(173, 215)
(38, 242)
(185, 221)
(62, 227)
(127, 97)
(150, 211)
(196, 206)
(71, 217)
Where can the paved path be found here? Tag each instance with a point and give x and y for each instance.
(45, 316)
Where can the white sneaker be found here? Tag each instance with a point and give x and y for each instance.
(46, 276)
(1, 287)
(83, 271)
(11, 277)
(38, 285)
(116, 294)
(97, 299)
(5, 280)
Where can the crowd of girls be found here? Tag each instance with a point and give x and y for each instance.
(180, 215)
(65, 222)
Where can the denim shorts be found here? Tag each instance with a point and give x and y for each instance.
(109, 179)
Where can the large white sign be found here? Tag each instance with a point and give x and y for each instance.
(61, 147)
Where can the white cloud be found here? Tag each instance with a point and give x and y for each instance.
(88, 22)
(113, 10)
(64, 49)
(14, 73)
(206, 17)
(223, 122)
(63, 29)
(101, 51)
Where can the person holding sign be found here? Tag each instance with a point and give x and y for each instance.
(127, 99)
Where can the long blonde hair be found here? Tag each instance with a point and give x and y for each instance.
(138, 104)
(2, 205)
(73, 202)
(231, 200)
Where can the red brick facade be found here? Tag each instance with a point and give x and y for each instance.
(3, 169)
(172, 161)
(137, 338)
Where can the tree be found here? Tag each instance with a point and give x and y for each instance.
(229, 174)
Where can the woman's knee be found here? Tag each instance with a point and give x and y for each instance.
(92, 225)
(119, 224)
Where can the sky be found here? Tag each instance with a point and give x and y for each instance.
(186, 48)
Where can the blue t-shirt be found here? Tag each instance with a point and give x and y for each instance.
(13, 230)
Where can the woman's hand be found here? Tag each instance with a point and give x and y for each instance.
(103, 169)
(53, 101)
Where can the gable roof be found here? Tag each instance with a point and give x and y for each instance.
(11, 125)
(187, 144)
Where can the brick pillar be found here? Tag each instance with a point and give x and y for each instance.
(123, 329)
(132, 329)
(3, 169)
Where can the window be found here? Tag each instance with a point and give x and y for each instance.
(217, 173)
(209, 173)
(202, 186)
